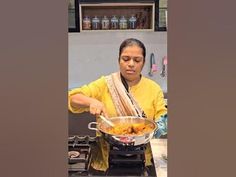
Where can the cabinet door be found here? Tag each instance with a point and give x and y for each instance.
(161, 15)
(73, 16)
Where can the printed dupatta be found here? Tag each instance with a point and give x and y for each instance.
(124, 102)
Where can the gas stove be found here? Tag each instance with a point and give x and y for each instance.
(123, 161)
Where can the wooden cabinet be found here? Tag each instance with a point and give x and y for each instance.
(149, 15)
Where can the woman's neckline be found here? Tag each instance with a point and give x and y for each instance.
(136, 83)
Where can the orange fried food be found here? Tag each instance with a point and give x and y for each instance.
(138, 127)
(130, 129)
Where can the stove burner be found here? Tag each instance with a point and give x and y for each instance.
(127, 156)
(73, 154)
(79, 153)
(123, 160)
(81, 140)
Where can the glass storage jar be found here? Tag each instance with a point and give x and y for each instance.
(123, 22)
(132, 22)
(95, 23)
(105, 23)
(114, 22)
(86, 23)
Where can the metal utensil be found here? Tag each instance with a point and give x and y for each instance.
(106, 120)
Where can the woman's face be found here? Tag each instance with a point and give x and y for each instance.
(131, 62)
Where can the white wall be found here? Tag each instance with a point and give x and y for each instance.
(92, 54)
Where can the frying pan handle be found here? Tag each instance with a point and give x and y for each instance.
(92, 128)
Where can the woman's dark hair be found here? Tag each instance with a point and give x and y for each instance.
(131, 42)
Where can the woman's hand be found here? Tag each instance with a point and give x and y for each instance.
(96, 107)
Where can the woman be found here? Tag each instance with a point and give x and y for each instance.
(124, 93)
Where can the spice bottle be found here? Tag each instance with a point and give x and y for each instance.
(105, 23)
(95, 23)
(86, 23)
(132, 22)
(123, 23)
(114, 22)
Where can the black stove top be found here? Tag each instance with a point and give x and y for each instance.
(123, 161)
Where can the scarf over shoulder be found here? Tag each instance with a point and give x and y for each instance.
(124, 102)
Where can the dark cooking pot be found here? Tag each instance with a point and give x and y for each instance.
(125, 140)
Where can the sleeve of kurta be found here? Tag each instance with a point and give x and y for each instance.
(159, 106)
(93, 89)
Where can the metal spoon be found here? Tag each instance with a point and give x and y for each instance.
(106, 120)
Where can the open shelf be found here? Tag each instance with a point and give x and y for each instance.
(143, 12)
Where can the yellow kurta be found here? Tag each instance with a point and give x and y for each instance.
(147, 93)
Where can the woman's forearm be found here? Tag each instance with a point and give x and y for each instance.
(80, 101)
